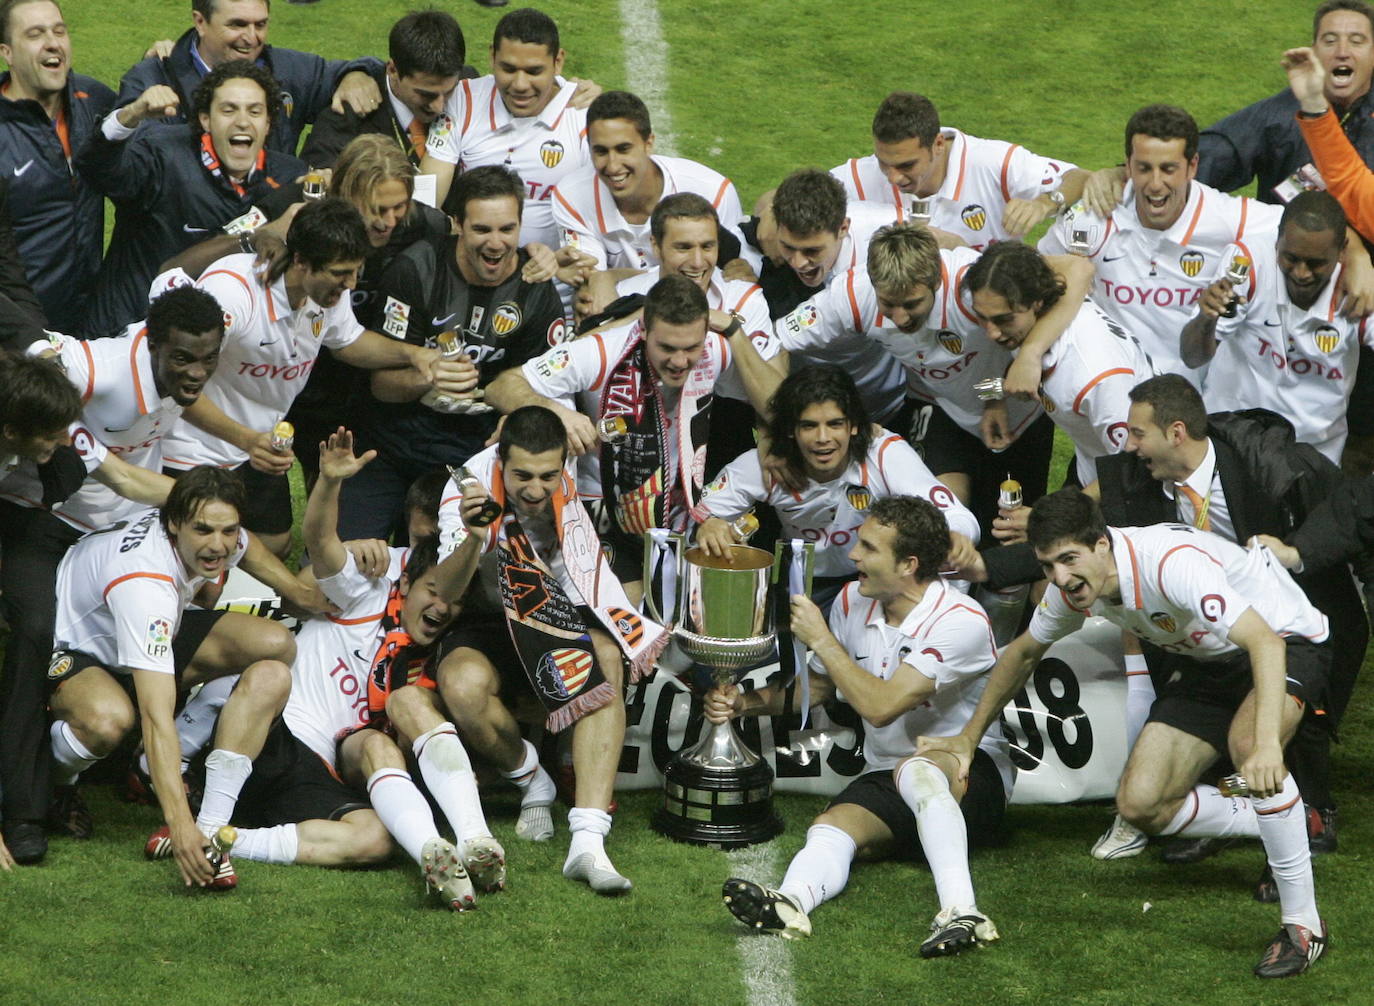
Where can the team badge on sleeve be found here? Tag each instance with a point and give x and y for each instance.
(1191, 263)
(717, 484)
(158, 639)
(396, 318)
(60, 665)
(1164, 622)
(802, 318)
(247, 223)
(552, 363)
(859, 496)
(506, 318)
(441, 128)
(974, 217)
(551, 152)
(1326, 338)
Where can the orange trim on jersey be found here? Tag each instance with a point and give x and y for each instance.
(356, 621)
(963, 163)
(854, 175)
(720, 193)
(568, 206)
(133, 367)
(894, 439)
(1095, 382)
(601, 369)
(844, 599)
(64, 135)
(1330, 308)
(1006, 166)
(467, 108)
(90, 372)
(1106, 233)
(491, 110)
(1159, 575)
(1244, 212)
(133, 576)
(596, 199)
(854, 302)
(1197, 215)
(1135, 572)
(246, 285)
(954, 292)
(747, 294)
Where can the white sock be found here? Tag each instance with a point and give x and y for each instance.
(447, 772)
(821, 869)
(1283, 830)
(589, 827)
(225, 774)
(536, 786)
(940, 823)
(403, 810)
(1140, 696)
(197, 719)
(267, 845)
(70, 755)
(1207, 814)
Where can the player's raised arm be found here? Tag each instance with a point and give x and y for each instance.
(321, 523)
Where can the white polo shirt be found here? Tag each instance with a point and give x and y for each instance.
(948, 639)
(121, 592)
(334, 657)
(1274, 355)
(585, 211)
(121, 407)
(1182, 589)
(829, 513)
(1150, 281)
(981, 178)
(267, 355)
(476, 129)
(1085, 385)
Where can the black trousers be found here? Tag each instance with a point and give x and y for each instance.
(32, 543)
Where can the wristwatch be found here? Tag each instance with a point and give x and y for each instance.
(736, 325)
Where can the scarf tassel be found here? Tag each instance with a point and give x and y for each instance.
(573, 710)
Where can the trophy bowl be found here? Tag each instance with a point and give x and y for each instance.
(718, 793)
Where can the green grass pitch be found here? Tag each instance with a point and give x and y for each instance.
(756, 88)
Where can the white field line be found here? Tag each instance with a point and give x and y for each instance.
(765, 960)
(646, 66)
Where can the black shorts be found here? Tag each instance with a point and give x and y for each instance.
(488, 634)
(948, 447)
(984, 806)
(1201, 697)
(291, 783)
(195, 626)
(267, 502)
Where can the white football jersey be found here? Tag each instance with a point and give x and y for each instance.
(943, 360)
(585, 211)
(268, 353)
(121, 407)
(334, 656)
(1274, 355)
(733, 295)
(476, 129)
(981, 178)
(947, 638)
(1150, 281)
(829, 513)
(576, 372)
(1182, 589)
(1085, 385)
(20, 482)
(121, 592)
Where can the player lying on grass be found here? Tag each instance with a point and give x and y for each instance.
(909, 654)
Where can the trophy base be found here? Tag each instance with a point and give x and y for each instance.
(707, 802)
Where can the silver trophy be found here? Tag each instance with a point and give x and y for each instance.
(719, 793)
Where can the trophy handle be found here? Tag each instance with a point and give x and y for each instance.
(651, 548)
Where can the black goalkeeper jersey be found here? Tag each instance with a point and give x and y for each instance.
(421, 295)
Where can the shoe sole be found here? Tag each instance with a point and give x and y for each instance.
(753, 905)
(485, 861)
(444, 873)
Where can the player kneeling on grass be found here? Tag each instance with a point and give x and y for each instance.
(909, 654)
(1237, 633)
(124, 636)
(567, 623)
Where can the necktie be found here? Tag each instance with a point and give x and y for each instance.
(1200, 518)
(417, 133)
